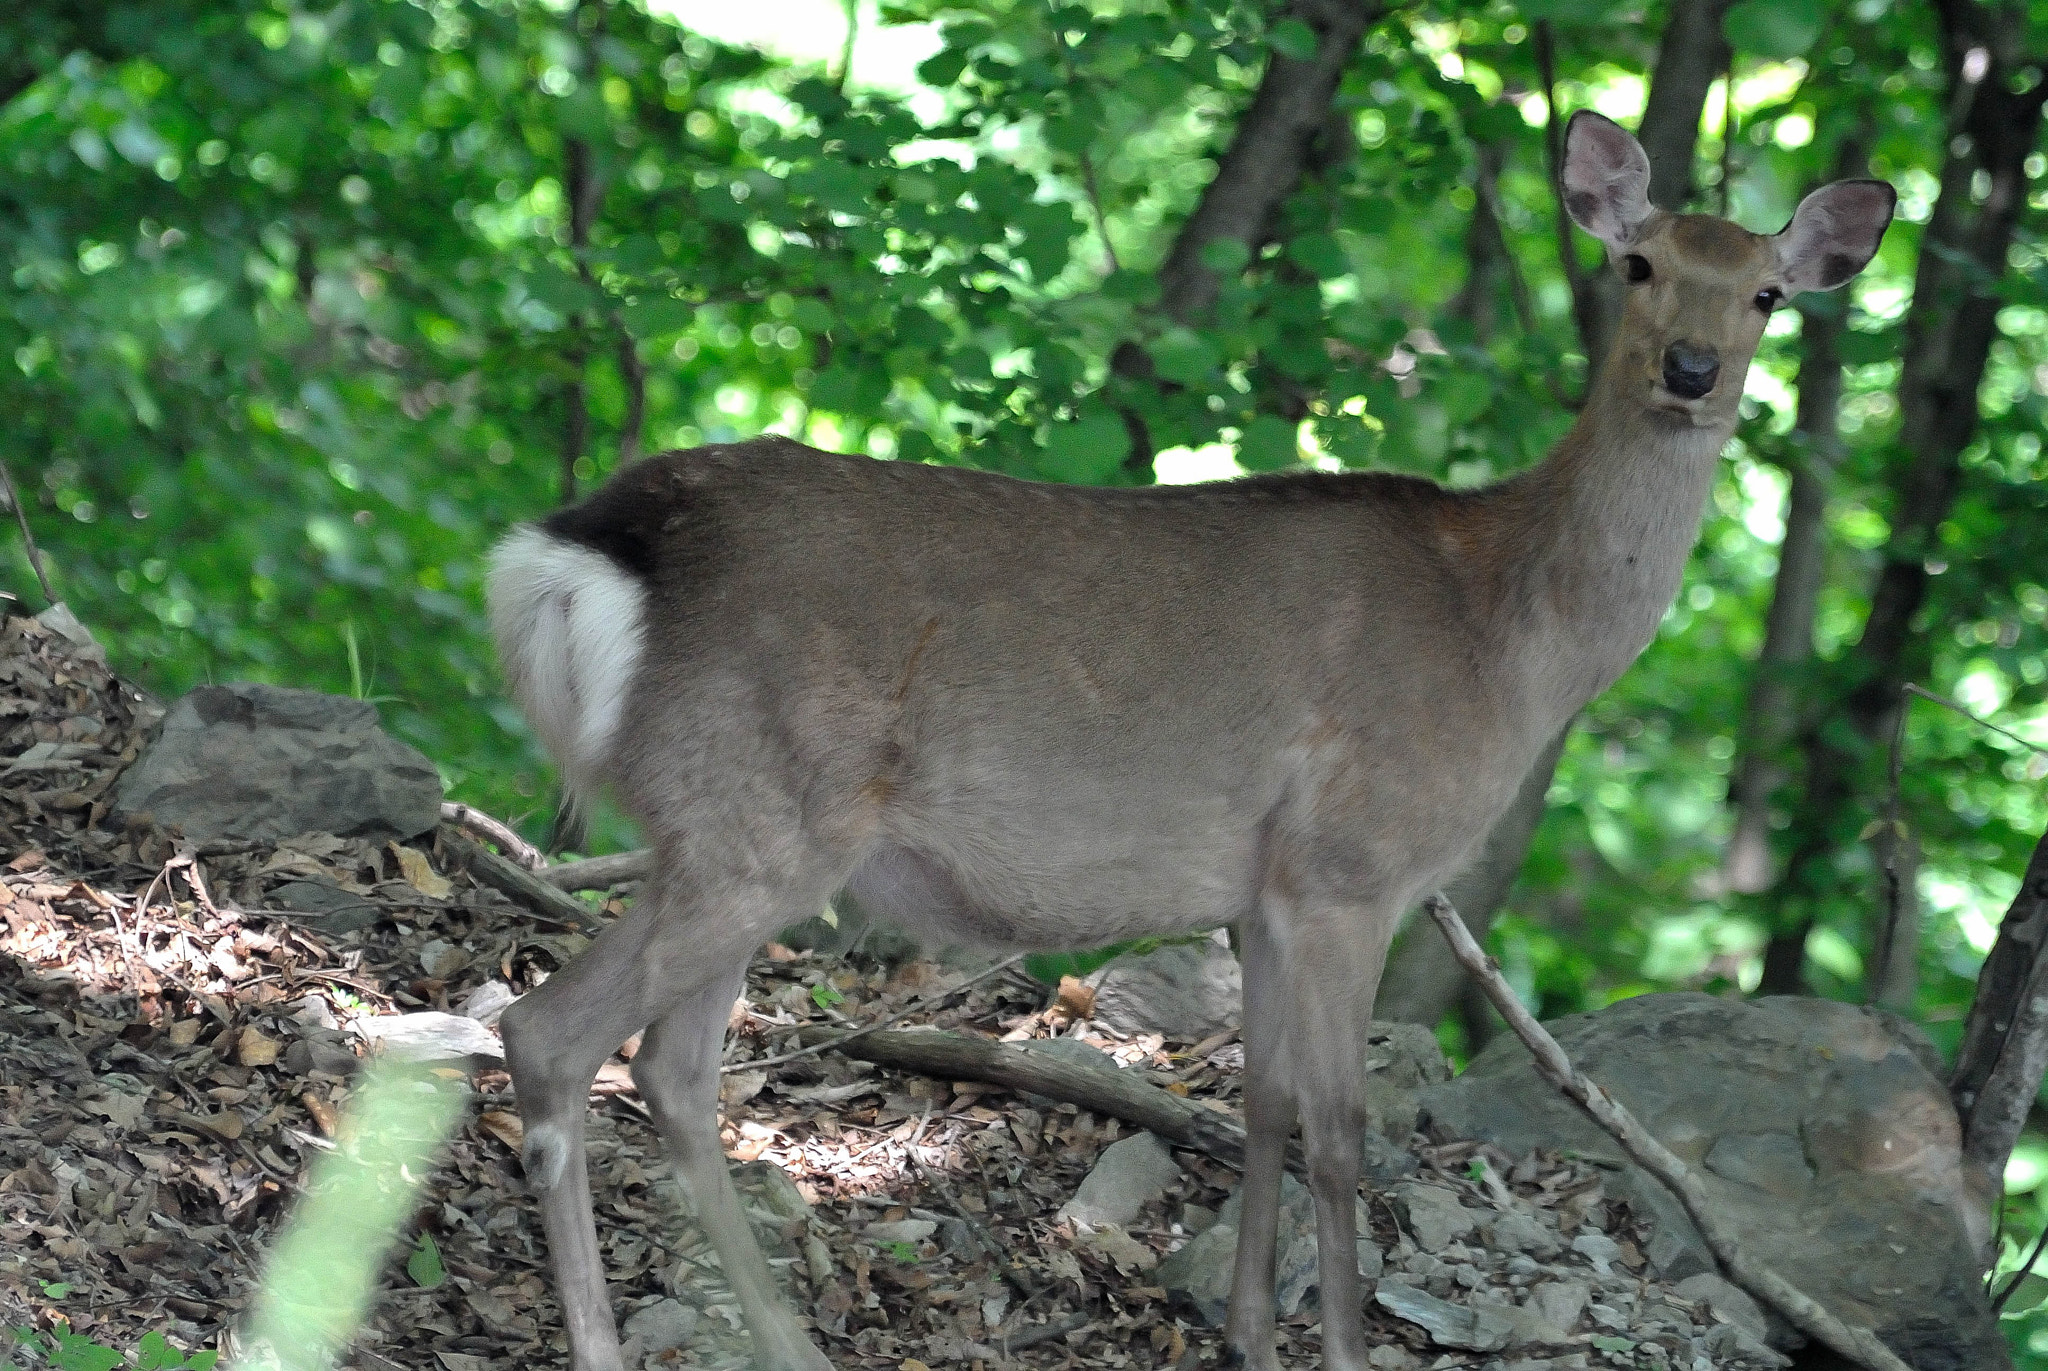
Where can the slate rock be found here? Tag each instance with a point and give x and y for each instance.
(1432, 1215)
(1184, 990)
(1878, 1170)
(1197, 1275)
(1130, 1174)
(265, 762)
(430, 1036)
(1476, 1327)
(660, 1327)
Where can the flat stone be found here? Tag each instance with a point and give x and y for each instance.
(1561, 1302)
(1598, 1249)
(1197, 1275)
(1448, 1325)
(903, 1230)
(1184, 990)
(1130, 1174)
(1774, 1163)
(1725, 1301)
(255, 761)
(1816, 1128)
(335, 911)
(1518, 1232)
(1432, 1216)
(661, 1327)
(488, 1002)
(430, 1036)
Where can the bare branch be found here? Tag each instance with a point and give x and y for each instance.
(35, 555)
(1268, 153)
(841, 1042)
(492, 830)
(539, 898)
(2005, 1039)
(599, 873)
(1858, 1344)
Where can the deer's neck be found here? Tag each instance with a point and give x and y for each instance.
(1597, 541)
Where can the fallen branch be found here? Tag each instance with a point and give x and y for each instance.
(1120, 1094)
(491, 830)
(1858, 1344)
(521, 887)
(599, 873)
(916, 1006)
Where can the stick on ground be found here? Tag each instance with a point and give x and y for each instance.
(495, 831)
(522, 886)
(1860, 1345)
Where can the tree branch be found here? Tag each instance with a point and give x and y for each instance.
(522, 887)
(2005, 1038)
(1858, 1344)
(1267, 155)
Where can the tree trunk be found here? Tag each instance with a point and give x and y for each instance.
(1423, 981)
(2005, 1039)
(1949, 331)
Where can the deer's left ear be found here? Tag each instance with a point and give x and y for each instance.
(1834, 234)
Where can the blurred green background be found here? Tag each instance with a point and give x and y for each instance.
(302, 306)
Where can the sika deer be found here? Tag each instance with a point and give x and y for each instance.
(1037, 716)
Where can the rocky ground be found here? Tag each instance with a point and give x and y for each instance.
(182, 1023)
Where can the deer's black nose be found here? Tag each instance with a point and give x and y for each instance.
(1690, 370)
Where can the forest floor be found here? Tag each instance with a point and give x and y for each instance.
(174, 1056)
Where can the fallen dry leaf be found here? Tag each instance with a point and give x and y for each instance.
(253, 1049)
(503, 1125)
(323, 1113)
(1076, 997)
(419, 873)
(184, 1032)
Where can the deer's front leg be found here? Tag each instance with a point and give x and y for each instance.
(1269, 1119)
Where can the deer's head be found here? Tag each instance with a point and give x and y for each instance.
(1699, 289)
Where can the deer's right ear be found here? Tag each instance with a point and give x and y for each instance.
(1606, 179)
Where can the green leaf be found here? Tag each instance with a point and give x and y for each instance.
(1269, 443)
(153, 1353)
(1184, 356)
(424, 1266)
(56, 1290)
(1088, 449)
(1320, 254)
(654, 315)
(1225, 254)
(1048, 967)
(1292, 38)
(76, 1352)
(824, 996)
(1780, 29)
(943, 68)
(1569, 11)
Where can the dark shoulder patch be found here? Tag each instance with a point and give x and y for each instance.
(624, 517)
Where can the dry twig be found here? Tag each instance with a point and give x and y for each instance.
(1858, 1344)
(540, 899)
(492, 830)
(838, 1042)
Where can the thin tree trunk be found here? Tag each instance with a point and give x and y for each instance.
(1423, 981)
(1949, 331)
(2005, 1038)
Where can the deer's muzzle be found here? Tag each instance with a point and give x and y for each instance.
(1690, 370)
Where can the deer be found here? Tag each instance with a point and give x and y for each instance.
(1020, 715)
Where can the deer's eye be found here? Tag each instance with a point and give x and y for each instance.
(1637, 266)
(1768, 299)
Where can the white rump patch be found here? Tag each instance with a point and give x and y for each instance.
(570, 624)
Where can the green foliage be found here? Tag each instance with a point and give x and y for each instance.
(424, 1265)
(294, 322)
(64, 1350)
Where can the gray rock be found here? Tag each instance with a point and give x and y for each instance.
(1561, 1302)
(1725, 1301)
(1388, 1357)
(1130, 1174)
(661, 1327)
(1774, 1163)
(1401, 1061)
(264, 762)
(1184, 990)
(1598, 1249)
(1483, 1328)
(1876, 1172)
(903, 1230)
(1198, 1274)
(1519, 1233)
(430, 1036)
(770, 1193)
(488, 1002)
(1432, 1215)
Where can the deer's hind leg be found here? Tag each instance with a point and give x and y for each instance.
(675, 962)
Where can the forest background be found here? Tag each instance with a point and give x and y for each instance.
(302, 305)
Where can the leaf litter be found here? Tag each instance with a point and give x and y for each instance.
(177, 1038)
